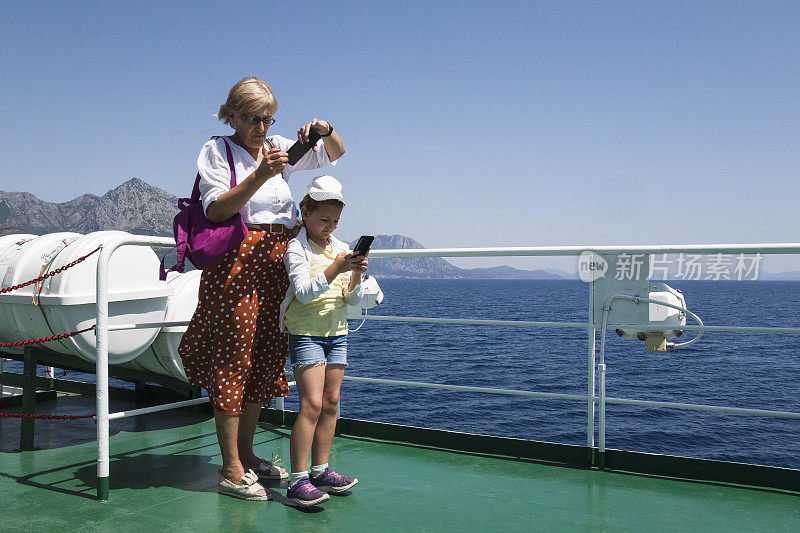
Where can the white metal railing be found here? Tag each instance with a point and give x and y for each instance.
(524, 251)
(103, 415)
(157, 408)
(482, 322)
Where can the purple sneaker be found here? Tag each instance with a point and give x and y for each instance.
(303, 493)
(330, 481)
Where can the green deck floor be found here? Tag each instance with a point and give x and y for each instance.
(163, 478)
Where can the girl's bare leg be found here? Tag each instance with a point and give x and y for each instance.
(310, 384)
(326, 425)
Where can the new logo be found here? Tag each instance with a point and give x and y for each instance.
(591, 266)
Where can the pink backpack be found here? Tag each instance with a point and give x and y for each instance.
(201, 241)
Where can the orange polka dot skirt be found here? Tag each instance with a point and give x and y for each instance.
(233, 346)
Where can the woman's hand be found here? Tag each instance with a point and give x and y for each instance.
(295, 231)
(272, 162)
(320, 126)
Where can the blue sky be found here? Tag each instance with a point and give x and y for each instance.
(466, 123)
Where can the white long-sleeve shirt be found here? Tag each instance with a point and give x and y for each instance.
(272, 203)
(301, 285)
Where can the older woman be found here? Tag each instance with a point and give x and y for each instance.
(233, 347)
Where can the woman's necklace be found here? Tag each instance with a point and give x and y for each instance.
(235, 138)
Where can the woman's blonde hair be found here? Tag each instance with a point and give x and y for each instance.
(250, 95)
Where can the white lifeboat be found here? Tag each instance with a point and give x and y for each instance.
(162, 356)
(67, 301)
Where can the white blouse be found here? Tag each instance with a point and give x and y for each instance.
(272, 203)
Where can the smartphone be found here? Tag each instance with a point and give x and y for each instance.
(363, 244)
(299, 149)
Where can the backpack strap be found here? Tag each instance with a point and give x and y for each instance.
(231, 166)
(181, 237)
(162, 271)
(229, 154)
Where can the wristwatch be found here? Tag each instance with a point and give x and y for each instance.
(329, 132)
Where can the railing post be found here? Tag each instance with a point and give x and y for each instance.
(590, 373)
(338, 430)
(601, 440)
(26, 432)
(601, 451)
(101, 331)
(280, 407)
(138, 393)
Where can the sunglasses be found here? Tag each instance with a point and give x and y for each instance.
(252, 119)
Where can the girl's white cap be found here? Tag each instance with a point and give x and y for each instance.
(324, 188)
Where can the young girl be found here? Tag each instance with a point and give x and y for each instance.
(324, 277)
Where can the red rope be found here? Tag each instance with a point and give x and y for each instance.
(44, 417)
(50, 274)
(45, 339)
(59, 270)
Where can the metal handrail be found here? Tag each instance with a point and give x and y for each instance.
(559, 396)
(522, 251)
(484, 322)
(103, 329)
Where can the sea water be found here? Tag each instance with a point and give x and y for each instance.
(759, 371)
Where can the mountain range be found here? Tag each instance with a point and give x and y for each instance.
(138, 207)
(423, 267)
(135, 207)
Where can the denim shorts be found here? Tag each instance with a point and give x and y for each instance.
(309, 350)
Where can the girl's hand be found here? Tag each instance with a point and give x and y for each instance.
(320, 126)
(361, 264)
(272, 162)
(345, 262)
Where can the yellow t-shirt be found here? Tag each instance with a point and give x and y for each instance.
(325, 315)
